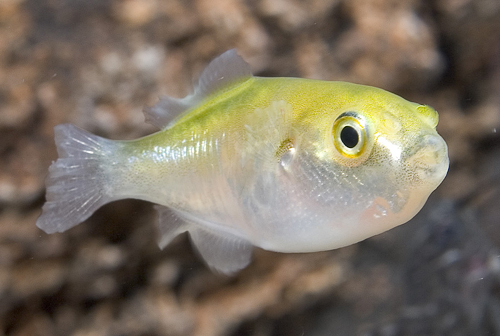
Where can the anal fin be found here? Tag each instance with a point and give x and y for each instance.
(222, 251)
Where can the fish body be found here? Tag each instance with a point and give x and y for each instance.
(285, 164)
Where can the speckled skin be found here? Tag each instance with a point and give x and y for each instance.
(223, 164)
(246, 161)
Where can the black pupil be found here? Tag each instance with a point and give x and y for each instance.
(349, 137)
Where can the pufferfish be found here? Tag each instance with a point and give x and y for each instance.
(284, 164)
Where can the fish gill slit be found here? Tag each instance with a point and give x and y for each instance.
(285, 146)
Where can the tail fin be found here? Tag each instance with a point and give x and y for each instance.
(78, 182)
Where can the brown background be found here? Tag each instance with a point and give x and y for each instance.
(96, 63)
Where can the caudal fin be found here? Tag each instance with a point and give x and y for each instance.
(78, 182)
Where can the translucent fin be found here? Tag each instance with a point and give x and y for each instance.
(271, 134)
(170, 225)
(222, 252)
(77, 184)
(224, 70)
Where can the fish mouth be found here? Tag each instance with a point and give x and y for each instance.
(429, 160)
(424, 166)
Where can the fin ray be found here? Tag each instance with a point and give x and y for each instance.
(169, 225)
(224, 70)
(77, 183)
(222, 251)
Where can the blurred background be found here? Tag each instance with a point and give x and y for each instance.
(97, 63)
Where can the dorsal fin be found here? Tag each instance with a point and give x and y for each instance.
(226, 69)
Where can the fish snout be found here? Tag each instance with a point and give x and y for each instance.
(430, 160)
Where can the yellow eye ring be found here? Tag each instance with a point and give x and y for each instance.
(349, 135)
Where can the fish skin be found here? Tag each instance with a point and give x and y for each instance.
(250, 161)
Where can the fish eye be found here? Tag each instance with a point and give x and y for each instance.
(349, 135)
